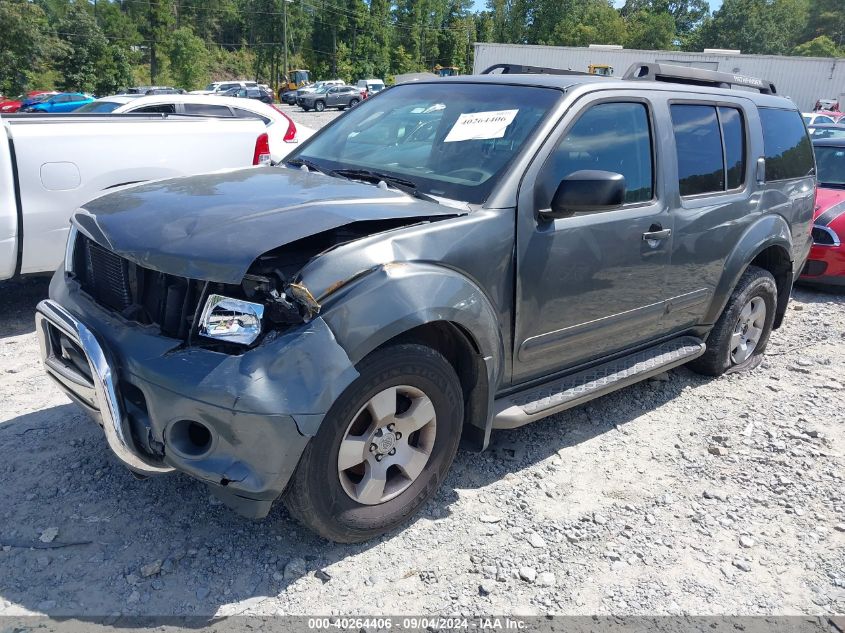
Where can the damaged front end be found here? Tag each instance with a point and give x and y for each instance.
(225, 382)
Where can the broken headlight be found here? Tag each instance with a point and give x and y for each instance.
(231, 320)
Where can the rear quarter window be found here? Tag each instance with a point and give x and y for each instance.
(206, 109)
(789, 153)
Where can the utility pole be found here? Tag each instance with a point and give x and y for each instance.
(285, 70)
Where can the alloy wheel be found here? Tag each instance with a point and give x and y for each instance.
(387, 445)
(748, 330)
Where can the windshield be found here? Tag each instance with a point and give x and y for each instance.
(211, 87)
(830, 163)
(451, 140)
(322, 89)
(40, 98)
(99, 106)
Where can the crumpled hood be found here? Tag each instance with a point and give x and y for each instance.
(214, 226)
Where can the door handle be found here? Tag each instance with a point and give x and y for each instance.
(656, 232)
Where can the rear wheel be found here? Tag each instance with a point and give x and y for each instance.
(353, 102)
(319, 106)
(384, 447)
(739, 338)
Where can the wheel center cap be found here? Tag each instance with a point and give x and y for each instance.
(386, 443)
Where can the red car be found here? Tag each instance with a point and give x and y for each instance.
(7, 106)
(826, 263)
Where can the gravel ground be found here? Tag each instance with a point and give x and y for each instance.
(678, 495)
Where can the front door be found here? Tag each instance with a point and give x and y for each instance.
(591, 284)
(332, 97)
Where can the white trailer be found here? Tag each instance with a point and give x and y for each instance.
(803, 79)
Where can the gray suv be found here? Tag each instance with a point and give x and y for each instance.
(340, 97)
(453, 257)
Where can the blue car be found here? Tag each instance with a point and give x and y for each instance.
(62, 102)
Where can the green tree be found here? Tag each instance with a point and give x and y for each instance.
(822, 46)
(826, 17)
(189, 59)
(772, 27)
(650, 31)
(23, 44)
(113, 70)
(591, 22)
(688, 15)
(81, 50)
(155, 20)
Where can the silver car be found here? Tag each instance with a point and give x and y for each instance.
(340, 97)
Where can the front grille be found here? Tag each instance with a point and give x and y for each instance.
(107, 278)
(138, 294)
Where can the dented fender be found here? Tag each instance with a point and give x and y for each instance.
(387, 300)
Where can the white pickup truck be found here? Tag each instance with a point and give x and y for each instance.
(50, 165)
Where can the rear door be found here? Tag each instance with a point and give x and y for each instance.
(712, 182)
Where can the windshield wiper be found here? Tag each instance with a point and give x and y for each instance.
(403, 185)
(312, 166)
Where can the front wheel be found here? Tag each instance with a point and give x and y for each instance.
(320, 106)
(384, 447)
(739, 338)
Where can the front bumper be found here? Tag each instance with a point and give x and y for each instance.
(257, 409)
(95, 390)
(825, 266)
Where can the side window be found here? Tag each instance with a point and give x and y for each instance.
(161, 108)
(613, 137)
(789, 153)
(701, 167)
(733, 135)
(823, 120)
(207, 109)
(246, 114)
(710, 146)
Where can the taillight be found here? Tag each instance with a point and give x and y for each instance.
(290, 133)
(261, 156)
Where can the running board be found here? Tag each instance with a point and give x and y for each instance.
(537, 402)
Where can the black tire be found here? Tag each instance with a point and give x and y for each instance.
(315, 495)
(353, 102)
(755, 282)
(305, 109)
(319, 106)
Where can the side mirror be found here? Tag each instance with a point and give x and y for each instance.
(587, 191)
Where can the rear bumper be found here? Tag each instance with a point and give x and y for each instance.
(253, 413)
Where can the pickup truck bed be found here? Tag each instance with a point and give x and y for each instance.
(51, 164)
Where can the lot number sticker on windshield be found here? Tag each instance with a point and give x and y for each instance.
(479, 126)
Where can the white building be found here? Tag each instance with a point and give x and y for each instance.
(803, 79)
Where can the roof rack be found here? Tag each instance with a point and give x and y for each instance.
(519, 69)
(651, 71)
